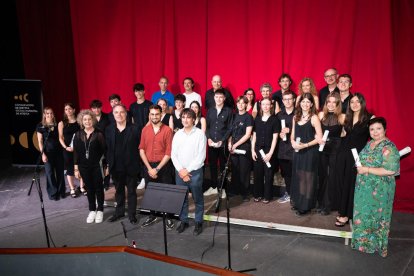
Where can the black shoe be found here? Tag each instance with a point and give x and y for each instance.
(170, 224)
(133, 220)
(325, 212)
(198, 229)
(115, 217)
(182, 227)
(150, 220)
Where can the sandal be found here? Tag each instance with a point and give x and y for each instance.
(83, 191)
(72, 193)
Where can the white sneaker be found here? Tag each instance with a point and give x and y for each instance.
(99, 217)
(208, 192)
(214, 191)
(285, 198)
(141, 184)
(91, 217)
(223, 193)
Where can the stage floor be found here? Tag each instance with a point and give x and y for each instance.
(273, 215)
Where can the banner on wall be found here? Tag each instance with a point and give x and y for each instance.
(25, 109)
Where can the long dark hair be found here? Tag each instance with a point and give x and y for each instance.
(363, 116)
(312, 111)
(65, 119)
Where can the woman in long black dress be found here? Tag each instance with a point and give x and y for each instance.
(332, 120)
(166, 117)
(241, 164)
(67, 129)
(89, 146)
(48, 139)
(357, 133)
(307, 127)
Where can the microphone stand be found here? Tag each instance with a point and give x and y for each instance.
(218, 203)
(36, 180)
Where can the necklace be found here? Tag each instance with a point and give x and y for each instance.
(305, 116)
(89, 145)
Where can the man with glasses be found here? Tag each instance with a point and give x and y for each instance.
(285, 150)
(331, 77)
(284, 82)
(344, 86)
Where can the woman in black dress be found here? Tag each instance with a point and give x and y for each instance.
(332, 120)
(166, 117)
(200, 121)
(67, 129)
(307, 127)
(357, 134)
(241, 163)
(179, 106)
(265, 133)
(49, 146)
(89, 146)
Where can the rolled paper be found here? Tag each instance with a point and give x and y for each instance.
(239, 151)
(405, 151)
(356, 157)
(71, 142)
(283, 126)
(263, 156)
(324, 138)
(297, 141)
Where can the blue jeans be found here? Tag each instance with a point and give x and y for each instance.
(195, 185)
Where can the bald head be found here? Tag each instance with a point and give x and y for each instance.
(216, 82)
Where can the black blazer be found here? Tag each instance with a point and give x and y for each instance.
(130, 148)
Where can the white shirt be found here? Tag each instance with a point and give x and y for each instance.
(193, 96)
(189, 149)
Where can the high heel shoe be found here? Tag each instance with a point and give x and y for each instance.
(339, 223)
(72, 193)
(83, 191)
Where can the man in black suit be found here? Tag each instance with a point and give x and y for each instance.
(123, 160)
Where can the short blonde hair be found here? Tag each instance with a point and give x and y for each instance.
(82, 114)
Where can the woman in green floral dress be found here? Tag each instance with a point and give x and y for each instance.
(374, 191)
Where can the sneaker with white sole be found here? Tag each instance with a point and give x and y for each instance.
(141, 184)
(99, 217)
(208, 192)
(91, 217)
(285, 198)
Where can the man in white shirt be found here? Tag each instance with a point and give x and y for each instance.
(188, 154)
(189, 94)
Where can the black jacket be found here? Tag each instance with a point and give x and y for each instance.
(130, 149)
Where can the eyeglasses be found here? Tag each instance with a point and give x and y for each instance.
(344, 81)
(329, 76)
(288, 99)
(249, 94)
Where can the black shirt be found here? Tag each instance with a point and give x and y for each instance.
(50, 138)
(219, 126)
(140, 113)
(119, 165)
(239, 126)
(345, 103)
(209, 99)
(264, 132)
(323, 94)
(103, 122)
(277, 96)
(285, 150)
(94, 145)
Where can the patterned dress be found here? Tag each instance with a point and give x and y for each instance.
(374, 196)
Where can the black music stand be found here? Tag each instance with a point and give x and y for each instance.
(164, 198)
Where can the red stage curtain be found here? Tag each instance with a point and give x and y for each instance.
(248, 42)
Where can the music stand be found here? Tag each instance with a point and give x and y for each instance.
(164, 198)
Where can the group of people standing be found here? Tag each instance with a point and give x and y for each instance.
(167, 142)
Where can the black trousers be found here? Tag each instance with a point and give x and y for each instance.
(241, 166)
(122, 179)
(92, 177)
(286, 171)
(263, 180)
(216, 155)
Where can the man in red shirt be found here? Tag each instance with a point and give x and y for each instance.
(155, 152)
